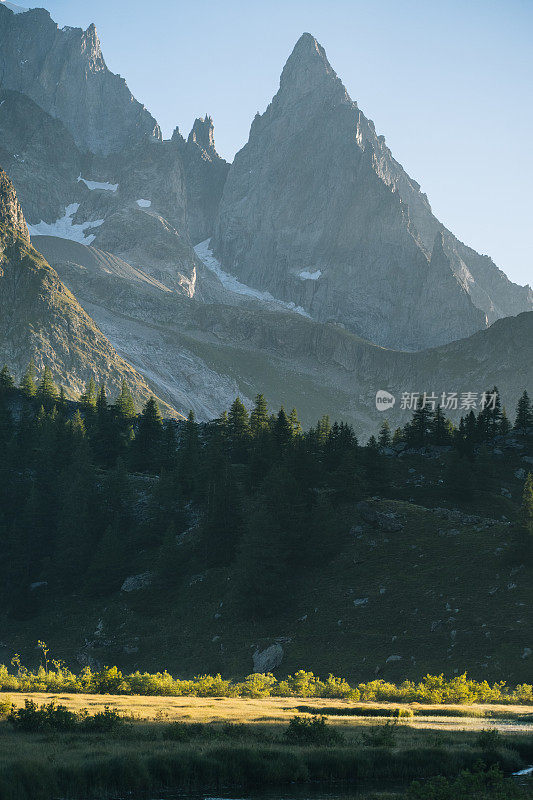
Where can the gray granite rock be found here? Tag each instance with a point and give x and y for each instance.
(64, 72)
(317, 211)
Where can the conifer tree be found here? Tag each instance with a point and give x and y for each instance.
(282, 432)
(295, 424)
(46, 391)
(103, 433)
(122, 431)
(102, 408)
(7, 382)
(238, 430)
(27, 384)
(505, 425)
(259, 416)
(488, 419)
(147, 445)
(62, 402)
(124, 405)
(441, 429)
(88, 398)
(76, 426)
(524, 415)
(189, 456)
(384, 438)
(418, 431)
(323, 429)
(398, 437)
(470, 435)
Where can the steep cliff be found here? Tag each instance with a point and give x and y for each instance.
(316, 210)
(64, 72)
(205, 176)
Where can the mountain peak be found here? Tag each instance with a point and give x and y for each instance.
(203, 135)
(308, 70)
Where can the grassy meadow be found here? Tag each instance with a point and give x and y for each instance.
(209, 743)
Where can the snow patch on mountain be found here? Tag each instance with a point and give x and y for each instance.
(305, 275)
(103, 185)
(65, 228)
(230, 283)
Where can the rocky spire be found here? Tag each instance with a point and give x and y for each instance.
(308, 71)
(203, 135)
(12, 222)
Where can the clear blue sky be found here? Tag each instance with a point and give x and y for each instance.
(448, 82)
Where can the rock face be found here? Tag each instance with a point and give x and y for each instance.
(205, 175)
(132, 203)
(266, 660)
(40, 156)
(41, 319)
(317, 211)
(64, 72)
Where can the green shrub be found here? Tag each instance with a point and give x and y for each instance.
(185, 731)
(107, 721)
(475, 785)
(489, 739)
(382, 735)
(359, 711)
(432, 689)
(5, 706)
(48, 717)
(313, 730)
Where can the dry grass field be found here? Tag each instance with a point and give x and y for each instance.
(274, 711)
(151, 755)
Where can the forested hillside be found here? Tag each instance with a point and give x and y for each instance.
(125, 536)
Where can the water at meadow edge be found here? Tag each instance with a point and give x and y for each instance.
(291, 792)
(310, 791)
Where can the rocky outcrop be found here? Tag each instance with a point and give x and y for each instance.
(40, 156)
(41, 319)
(13, 227)
(316, 211)
(64, 72)
(265, 661)
(205, 176)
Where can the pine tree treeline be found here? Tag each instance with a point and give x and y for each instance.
(86, 486)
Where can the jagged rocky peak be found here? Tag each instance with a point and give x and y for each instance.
(64, 72)
(317, 211)
(205, 175)
(309, 71)
(203, 135)
(12, 222)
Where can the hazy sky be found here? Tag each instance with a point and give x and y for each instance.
(448, 82)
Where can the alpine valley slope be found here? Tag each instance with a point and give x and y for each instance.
(41, 319)
(316, 210)
(204, 353)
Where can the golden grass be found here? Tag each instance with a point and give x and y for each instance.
(272, 711)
